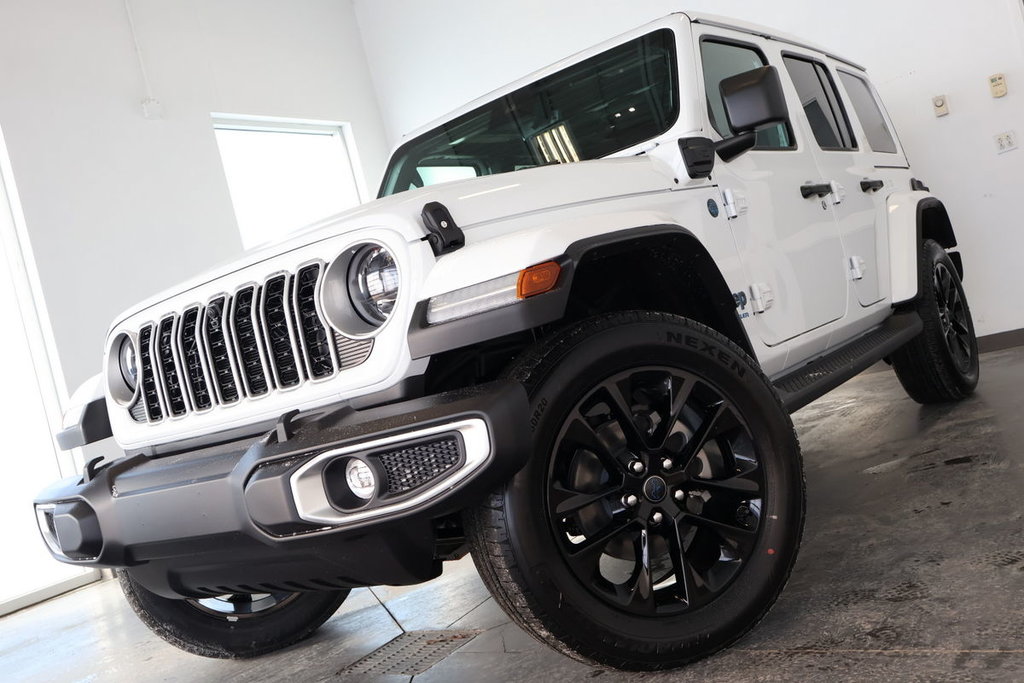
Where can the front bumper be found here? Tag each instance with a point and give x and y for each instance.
(276, 514)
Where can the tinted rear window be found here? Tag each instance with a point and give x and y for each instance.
(870, 114)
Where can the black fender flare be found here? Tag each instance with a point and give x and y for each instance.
(426, 340)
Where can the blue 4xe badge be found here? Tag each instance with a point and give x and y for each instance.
(713, 208)
(741, 304)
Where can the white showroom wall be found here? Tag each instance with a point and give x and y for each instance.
(118, 206)
(428, 58)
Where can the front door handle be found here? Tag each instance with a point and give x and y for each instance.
(816, 190)
(871, 185)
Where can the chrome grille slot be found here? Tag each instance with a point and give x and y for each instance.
(150, 391)
(275, 314)
(167, 362)
(248, 343)
(296, 334)
(192, 359)
(222, 360)
(320, 356)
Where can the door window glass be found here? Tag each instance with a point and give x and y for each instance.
(866, 107)
(821, 104)
(721, 61)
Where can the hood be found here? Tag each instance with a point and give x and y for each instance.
(472, 203)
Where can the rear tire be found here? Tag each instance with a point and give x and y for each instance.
(229, 627)
(940, 364)
(649, 541)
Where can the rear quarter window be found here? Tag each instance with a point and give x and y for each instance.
(865, 105)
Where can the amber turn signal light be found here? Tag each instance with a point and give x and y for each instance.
(538, 279)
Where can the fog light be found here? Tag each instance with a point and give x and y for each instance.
(360, 479)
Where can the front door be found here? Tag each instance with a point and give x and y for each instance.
(789, 242)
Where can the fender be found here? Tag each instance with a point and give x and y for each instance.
(426, 340)
(913, 217)
(86, 420)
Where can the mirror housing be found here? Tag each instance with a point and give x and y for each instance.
(753, 101)
(698, 156)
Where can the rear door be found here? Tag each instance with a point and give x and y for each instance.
(882, 166)
(844, 162)
(789, 243)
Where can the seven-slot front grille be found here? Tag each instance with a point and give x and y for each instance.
(263, 338)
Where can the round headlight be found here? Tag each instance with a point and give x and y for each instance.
(127, 360)
(373, 284)
(122, 369)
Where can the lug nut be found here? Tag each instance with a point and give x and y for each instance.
(636, 467)
(657, 517)
(679, 494)
(630, 500)
(667, 464)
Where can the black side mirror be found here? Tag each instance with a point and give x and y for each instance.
(753, 100)
(698, 156)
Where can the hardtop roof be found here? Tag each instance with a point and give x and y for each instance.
(692, 17)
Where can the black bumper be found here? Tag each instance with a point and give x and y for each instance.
(272, 515)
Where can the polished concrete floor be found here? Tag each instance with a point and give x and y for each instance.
(912, 568)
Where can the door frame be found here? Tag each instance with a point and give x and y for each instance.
(14, 238)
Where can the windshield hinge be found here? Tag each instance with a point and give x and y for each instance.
(445, 235)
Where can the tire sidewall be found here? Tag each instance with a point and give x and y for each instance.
(932, 255)
(199, 632)
(569, 606)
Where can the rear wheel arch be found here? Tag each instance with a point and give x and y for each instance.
(933, 223)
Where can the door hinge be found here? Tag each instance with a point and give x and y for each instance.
(761, 297)
(838, 192)
(735, 203)
(857, 268)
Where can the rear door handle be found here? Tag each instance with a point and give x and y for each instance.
(816, 190)
(871, 185)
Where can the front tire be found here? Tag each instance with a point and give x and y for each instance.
(661, 513)
(940, 364)
(232, 626)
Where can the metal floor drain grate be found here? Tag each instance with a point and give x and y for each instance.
(411, 653)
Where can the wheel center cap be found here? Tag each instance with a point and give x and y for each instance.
(655, 489)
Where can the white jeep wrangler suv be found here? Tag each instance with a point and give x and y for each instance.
(581, 373)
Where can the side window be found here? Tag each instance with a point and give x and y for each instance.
(722, 60)
(821, 103)
(865, 104)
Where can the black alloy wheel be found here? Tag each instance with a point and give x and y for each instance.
(953, 316)
(940, 364)
(661, 512)
(232, 625)
(655, 491)
(242, 605)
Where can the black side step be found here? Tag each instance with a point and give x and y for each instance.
(815, 379)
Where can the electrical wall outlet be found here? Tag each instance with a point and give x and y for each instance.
(1006, 142)
(941, 105)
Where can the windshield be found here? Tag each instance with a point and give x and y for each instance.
(600, 106)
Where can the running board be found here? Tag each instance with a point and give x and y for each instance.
(815, 379)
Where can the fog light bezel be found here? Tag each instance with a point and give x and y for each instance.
(338, 489)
